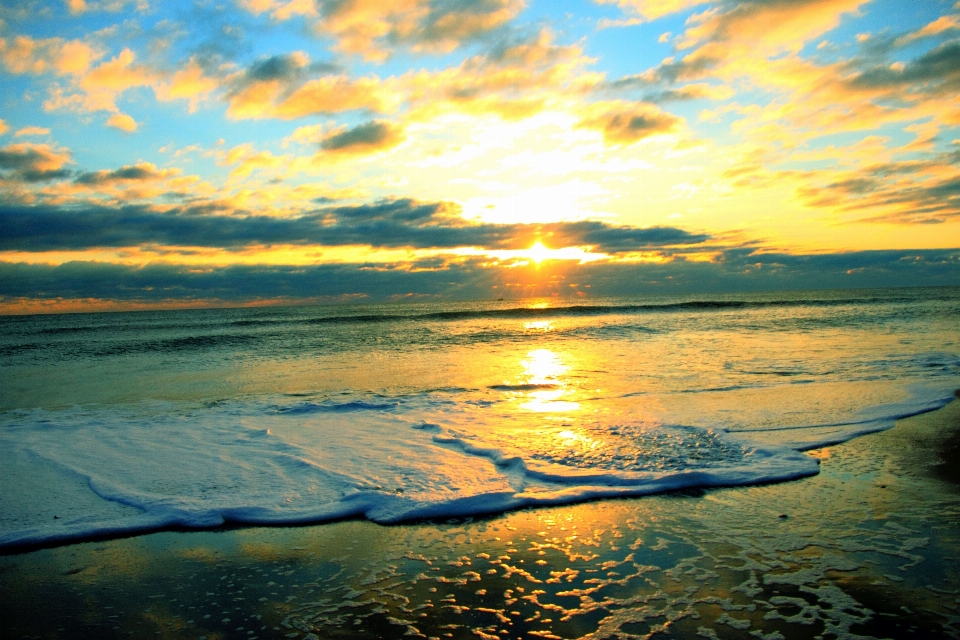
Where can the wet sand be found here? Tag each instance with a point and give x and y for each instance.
(869, 547)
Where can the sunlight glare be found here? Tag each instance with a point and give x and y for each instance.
(538, 253)
(543, 366)
(538, 325)
(545, 369)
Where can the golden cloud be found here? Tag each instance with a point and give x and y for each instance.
(369, 137)
(623, 123)
(23, 54)
(330, 94)
(652, 9)
(189, 83)
(123, 122)
(514, 81)
(32, 131)
(371, 28)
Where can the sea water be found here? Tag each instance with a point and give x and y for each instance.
(122, 422)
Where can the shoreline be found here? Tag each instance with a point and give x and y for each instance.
(948, 453)
(839, 553)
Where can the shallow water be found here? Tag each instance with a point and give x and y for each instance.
(868, 548)
(115, 423)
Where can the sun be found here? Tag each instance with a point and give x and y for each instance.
(538, 253)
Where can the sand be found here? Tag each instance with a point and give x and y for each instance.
(869, 547)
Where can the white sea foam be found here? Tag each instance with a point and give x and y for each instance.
(106, 470)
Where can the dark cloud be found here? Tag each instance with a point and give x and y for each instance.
(231, 284)
(281, 67)
(745, 269)
(387, 223)
(400, 210)
(693, 67)
(617, 239)
(681, 94)
(629, 127)
(440, 23)
(365, 138)
(936, 70)
(626, 123)
(736, 270)
(464, 19)
(933, 195)
(291, 70)
(32, 163)
(129, 173)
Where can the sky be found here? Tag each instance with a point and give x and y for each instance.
(255, 152)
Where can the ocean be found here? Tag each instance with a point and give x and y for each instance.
(120, 423)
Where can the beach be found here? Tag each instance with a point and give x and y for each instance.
(761, 465)
(866, 548)
(593, 319)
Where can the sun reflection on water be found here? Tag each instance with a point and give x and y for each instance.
(549, 393)
(543, 366)
(538, 325)
(573, 439)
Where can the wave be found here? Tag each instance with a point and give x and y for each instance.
(92, 472)
(523, 387)
(337, 407)
(581, 310)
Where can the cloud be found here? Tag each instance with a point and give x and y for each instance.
(32, 131)
(372, 29)
(606, 23)
(365, 138)
(99, 88)
(514, 80)
(763, 27)
(892, 193)
(792, 99)
(729, 40)
(23, 54)
(693, 91)
(250, 161)
(143, 171)
(731, 271)
(285, 67)
(280, 87)
(941, 25)
(383, 224)
(234, 284)
(3, 127)
(27, 162)
(616, 239)
(123, 122)
(280, 9)
(626, 123)
(936, 72)
(189, 83)
(117, 75)
(652, 9)
(759, 41)
(78, 7)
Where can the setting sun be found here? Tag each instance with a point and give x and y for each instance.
(538, 253)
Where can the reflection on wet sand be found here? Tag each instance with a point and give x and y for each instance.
(866, 548)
